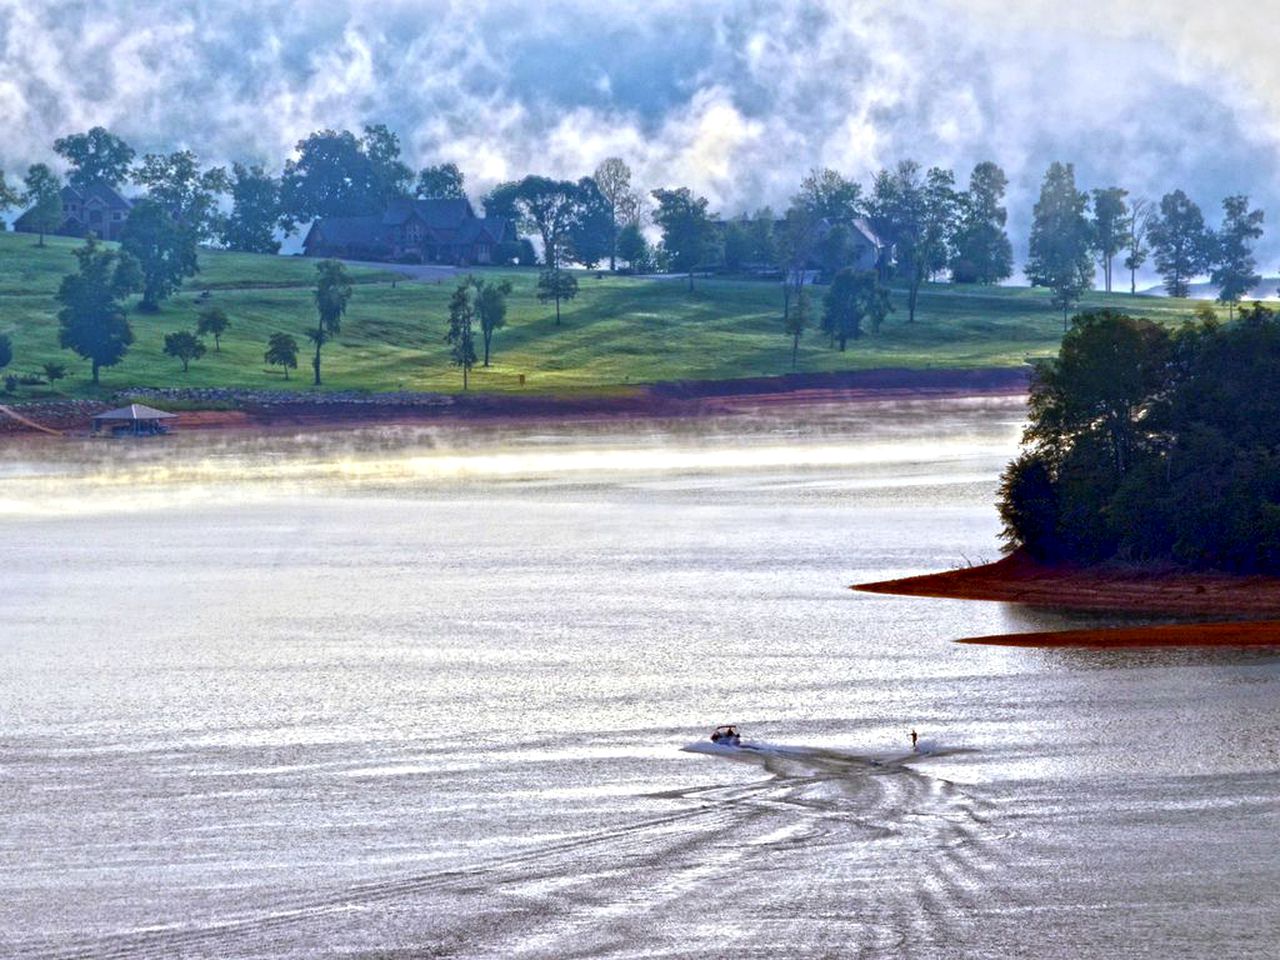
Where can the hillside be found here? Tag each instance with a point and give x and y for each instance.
(618, 331)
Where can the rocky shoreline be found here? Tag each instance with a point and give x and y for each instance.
(215, 407)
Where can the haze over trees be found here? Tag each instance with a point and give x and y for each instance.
(91, 320)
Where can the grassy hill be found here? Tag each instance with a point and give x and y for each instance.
(618, 331)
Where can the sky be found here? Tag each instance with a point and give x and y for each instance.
(736, 100)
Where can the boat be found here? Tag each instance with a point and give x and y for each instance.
(726, 735)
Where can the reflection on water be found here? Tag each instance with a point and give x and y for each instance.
(409, 692)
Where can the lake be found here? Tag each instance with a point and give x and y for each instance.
(423, 692)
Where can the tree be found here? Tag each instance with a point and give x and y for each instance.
(825, 194)
(1061, 239)
(334, 176)
(6, 350)
(916, 216)
(981, 252)
(793, 250)
(633, 248)
(591, 235)
(795, 322)
(255, 211)
(854, 296)
(185, 346)
(53, 372)
(1182, 244)
(96, 157)
(1110, 223)
(549, 208)
(1236, 270)
(92, 320)
(8, 196)
(556, 285)
(500, 202)
(391, 178)
(189, 195)
(1141, 216)
(613, 180)
(333, 292)
(45, 195)
(461, 333)
(164, 249)
(213, 321)
(442, 182)
(491, 308)
(282, 351)
(686, 228)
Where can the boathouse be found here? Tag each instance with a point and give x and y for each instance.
(135, 420)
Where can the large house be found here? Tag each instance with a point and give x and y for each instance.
(426, 231)
(96, 209)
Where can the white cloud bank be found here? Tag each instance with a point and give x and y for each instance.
(735, 99)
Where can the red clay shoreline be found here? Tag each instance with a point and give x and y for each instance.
(1246, 608)
(685, 398)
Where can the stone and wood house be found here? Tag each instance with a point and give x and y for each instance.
(420, 231)
(96, 209)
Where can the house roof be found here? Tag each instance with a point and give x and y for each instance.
(437, 213)
(135, 411)
(96, 191)
(346, 230)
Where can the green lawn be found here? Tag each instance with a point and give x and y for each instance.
(618, 331)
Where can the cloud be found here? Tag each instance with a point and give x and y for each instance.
(734, 99)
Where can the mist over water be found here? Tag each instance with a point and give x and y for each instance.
(409, 692)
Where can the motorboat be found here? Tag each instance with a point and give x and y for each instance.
(726, 735)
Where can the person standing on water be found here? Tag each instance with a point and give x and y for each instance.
(914, 740)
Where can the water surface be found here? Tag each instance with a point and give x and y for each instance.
(414, 693)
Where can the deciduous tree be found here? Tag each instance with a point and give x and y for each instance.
(795, 323)
(441, 182)
(164, 250)
(189, 194)
(44, 193)
(96, 157)
(1110, 223)
(591, 237)
(1182, 244)
(461, 333)
(282, 351)
(1061, 239)
(334, 176)
(491, 309)
(213, 322)
(1141, 215)
(826, 194)
(184, 346)
(633, 248)
(556, 285)
(854, 296)
(255, 211)
(1235, 272)
(686, 228)
(332, 294)
(981, 252)
(613, 179)
(91, 320)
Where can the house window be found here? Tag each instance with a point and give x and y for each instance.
(115, 215)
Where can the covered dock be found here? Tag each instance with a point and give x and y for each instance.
(135, 420)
